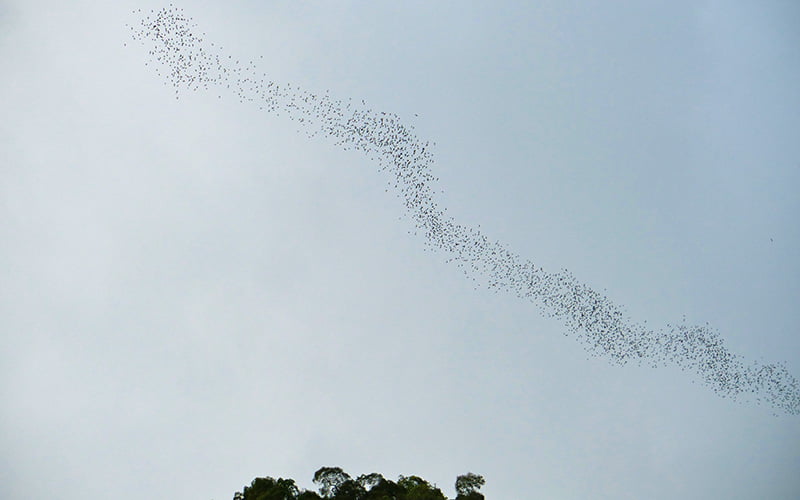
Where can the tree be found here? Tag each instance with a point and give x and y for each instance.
(379, 488)
(308, 495)
(417, 488)
(335, 484)
(467, 487)
(267, 488)
(331, 479)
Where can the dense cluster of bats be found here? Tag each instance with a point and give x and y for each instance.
(187, 61)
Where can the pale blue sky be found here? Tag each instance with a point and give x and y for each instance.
(194, 294)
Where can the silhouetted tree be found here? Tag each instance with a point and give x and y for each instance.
(267, 488)
(417, 488)
(308, 495)
(380, 488)
(467, 487)
(336, 484)
(331, 479)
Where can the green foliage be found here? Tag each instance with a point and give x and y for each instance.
(380, 488)
(467, 486)
(267, 488)
(417, 488)
(331, 479)
(335, 484)
(308, 495)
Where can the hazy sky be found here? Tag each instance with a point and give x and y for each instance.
(193, 294)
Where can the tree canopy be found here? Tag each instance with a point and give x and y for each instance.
(336, 484)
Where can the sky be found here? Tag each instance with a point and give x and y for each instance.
(194, 293)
